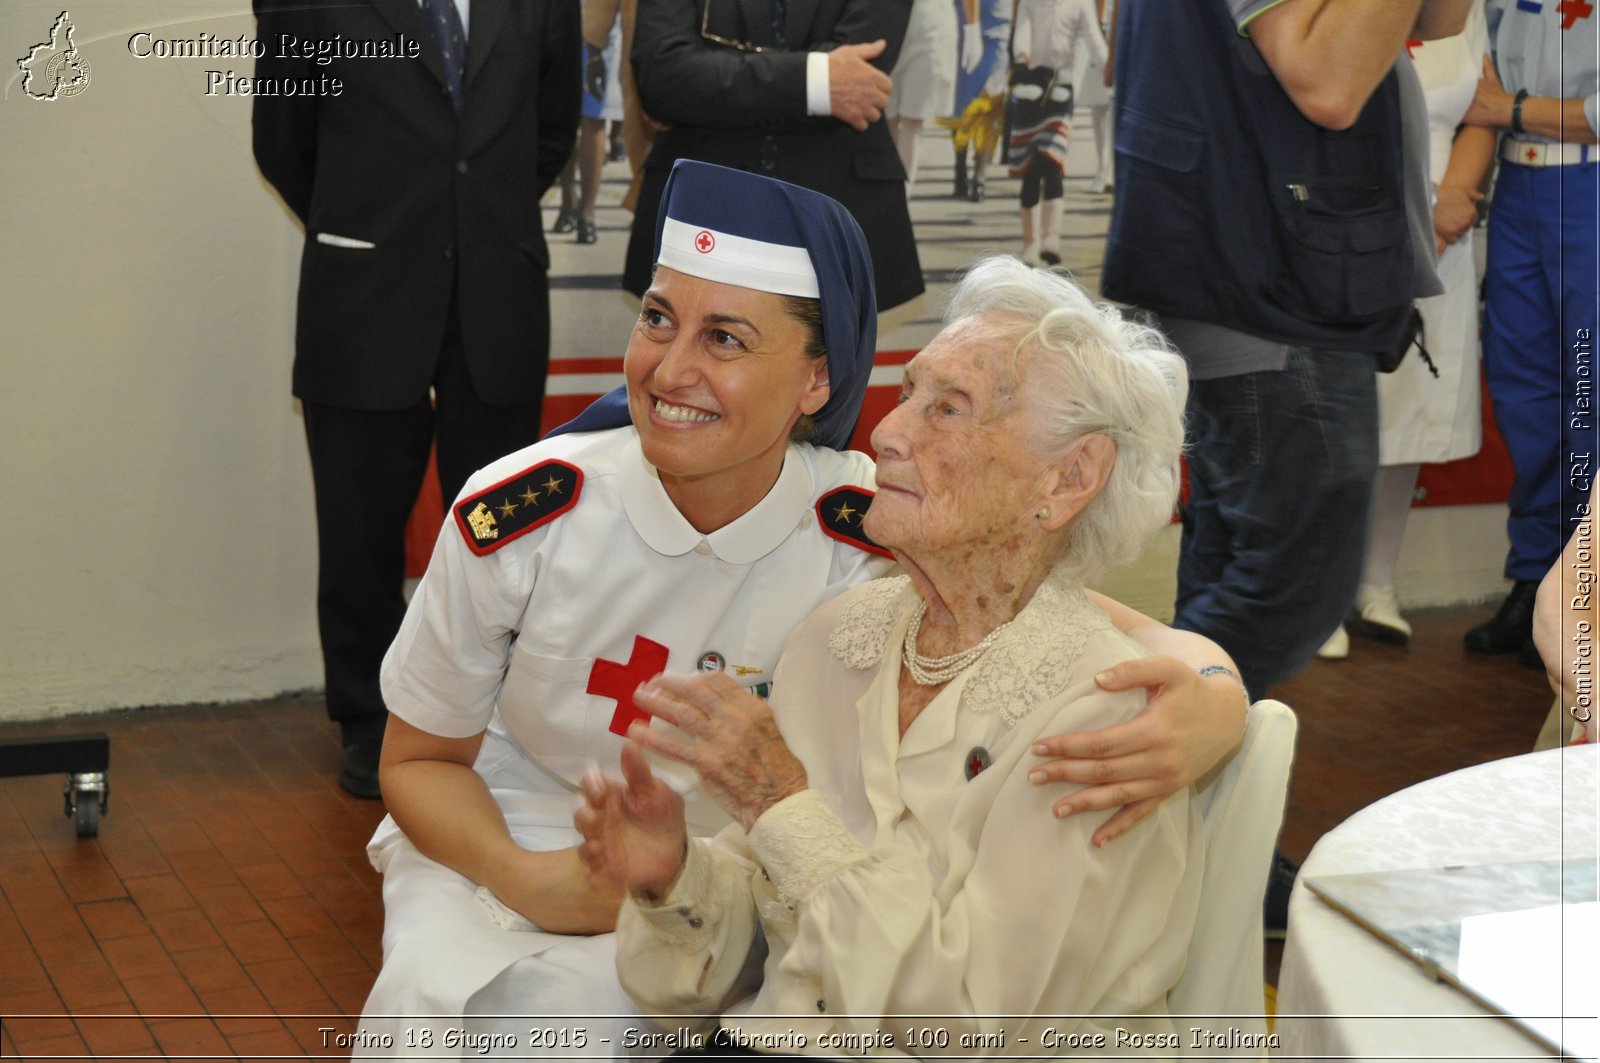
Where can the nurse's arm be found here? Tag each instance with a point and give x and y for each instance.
(446, 810)
(1191, 722)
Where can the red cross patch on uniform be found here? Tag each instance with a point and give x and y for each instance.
(840, 512)
(512, 508)
(1573, 10)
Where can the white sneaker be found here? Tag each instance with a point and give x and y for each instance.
(1337, 648)
(1379, 613)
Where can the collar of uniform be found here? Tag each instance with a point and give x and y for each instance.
(748, 539)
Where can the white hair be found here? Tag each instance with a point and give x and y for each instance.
(1091, 371)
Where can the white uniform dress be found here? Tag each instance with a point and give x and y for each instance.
(924, 74)
(1423, 418)
(509, 640)
(924, 876)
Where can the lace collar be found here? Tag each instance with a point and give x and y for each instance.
(1029, 663)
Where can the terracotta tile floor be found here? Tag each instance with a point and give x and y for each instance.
(228, 879)
(226, 909)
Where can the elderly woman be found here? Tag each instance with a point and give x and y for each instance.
(693, 533)
(893, 853)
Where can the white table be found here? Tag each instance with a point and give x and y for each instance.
(1345, 994)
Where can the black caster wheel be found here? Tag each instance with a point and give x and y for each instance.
(85, 797)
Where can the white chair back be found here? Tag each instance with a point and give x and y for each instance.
(1241, 802)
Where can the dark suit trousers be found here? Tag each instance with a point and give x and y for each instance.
(367, 467)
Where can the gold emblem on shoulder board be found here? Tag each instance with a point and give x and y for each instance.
(483, 525)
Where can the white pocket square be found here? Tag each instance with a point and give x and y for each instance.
(344, 241)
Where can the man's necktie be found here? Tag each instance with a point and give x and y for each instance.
(444, 20)
(779, 22)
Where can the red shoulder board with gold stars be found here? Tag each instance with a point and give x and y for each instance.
(513, 508)
(840, 512)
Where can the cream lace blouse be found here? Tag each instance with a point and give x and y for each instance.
(920, 898)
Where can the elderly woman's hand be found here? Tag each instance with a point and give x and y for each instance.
(742, 760)
(1191, 722)
(633, 831)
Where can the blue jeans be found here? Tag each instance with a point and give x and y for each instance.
(1281, 466)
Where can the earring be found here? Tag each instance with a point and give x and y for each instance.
(1044, 512)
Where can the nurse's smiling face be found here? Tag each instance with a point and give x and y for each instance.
(717, 377)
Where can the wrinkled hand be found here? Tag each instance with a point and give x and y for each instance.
(634, 836)
(1191, 722)
(971, 46)
(742, 760)
(1491, 104)
(1455, 210)
(857, 90)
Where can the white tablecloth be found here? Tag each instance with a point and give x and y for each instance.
(1343, 993)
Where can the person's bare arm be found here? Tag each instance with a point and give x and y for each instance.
(446, 810)
(1439, 19)
(1545, 116)
(1329, 55)
(1564, 619)
(1455, 208)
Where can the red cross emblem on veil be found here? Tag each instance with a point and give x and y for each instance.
(704, 242)
(612, 680)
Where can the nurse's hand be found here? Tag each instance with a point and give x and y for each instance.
(634, 835)
(1191, 723)
(743, 762)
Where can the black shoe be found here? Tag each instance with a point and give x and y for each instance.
(975, 192)
(1280, 883)
(363, 745)
(587, 234)
(566, 220)
(1511, 625)
(1529, 655)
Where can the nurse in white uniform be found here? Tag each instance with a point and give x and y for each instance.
(570, 572)
(1428, 407)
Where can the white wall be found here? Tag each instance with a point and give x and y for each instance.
(156, 540)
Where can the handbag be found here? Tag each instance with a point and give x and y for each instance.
(1413, 335)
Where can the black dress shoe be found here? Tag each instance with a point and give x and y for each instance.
(566, 220)
(1280, 883)
(975, 191)
(587, 234)
(363, 746)
(1511, 625)
(1529, 655)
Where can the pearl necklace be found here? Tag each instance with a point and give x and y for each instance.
(935, 671)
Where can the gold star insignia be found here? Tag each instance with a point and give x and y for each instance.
(553, 485)
(507, 508)
(844, 512)
(529, 497)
